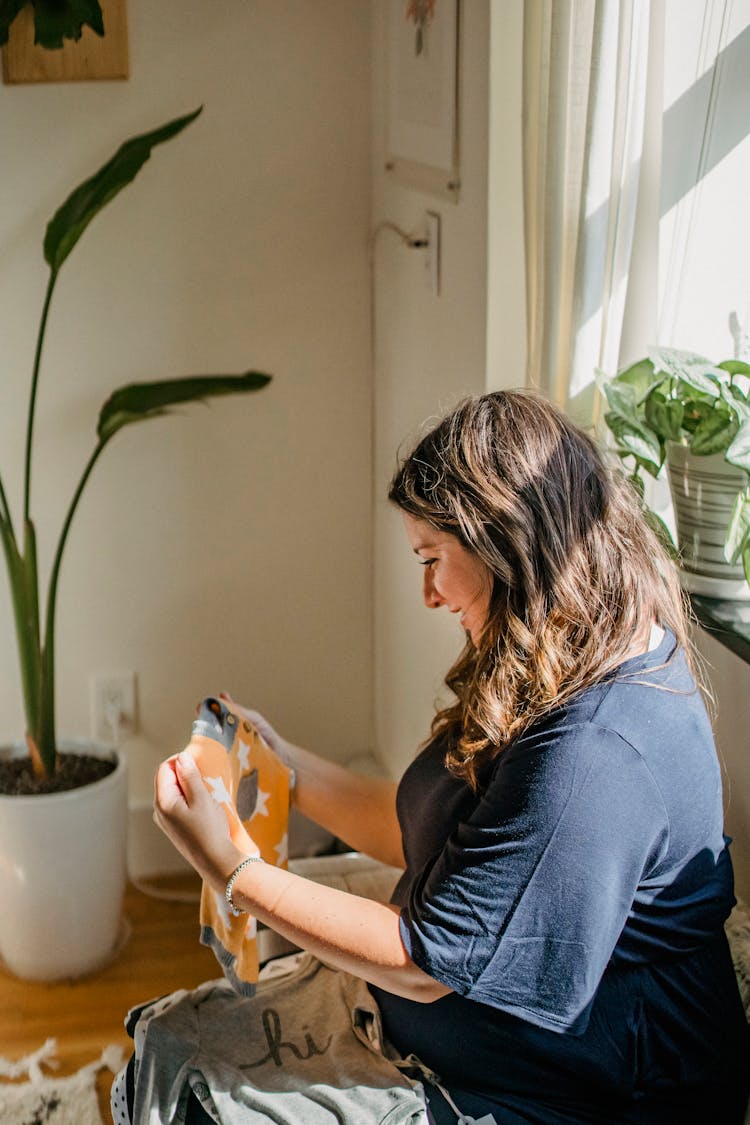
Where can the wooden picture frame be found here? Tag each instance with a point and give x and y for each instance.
(92, 57)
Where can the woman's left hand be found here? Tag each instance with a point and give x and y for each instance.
(193, 821)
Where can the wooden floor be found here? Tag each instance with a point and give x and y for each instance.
(162, 953)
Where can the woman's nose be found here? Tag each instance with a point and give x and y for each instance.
(432, 598)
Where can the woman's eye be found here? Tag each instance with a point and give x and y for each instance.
(427, 562)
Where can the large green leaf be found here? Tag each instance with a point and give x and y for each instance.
(737, 402)
(626, 390)
(57, 20)
(641, 377)
(705, 379)
(673, 361)
(650, 466)
(622, 400)
(71, 219)
(695, 413)
(139, 401)
(735, 366)
(636, 440)
(664, 416)
(738, 533)
(695, 370)
(714, 434)
(739, 451)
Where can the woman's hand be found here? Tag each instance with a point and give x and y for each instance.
(197, 826)
(279, 745)
(358, 809)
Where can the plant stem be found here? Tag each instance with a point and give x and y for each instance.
(47, 739)
(5, 516)
(33, 654)
(22, 579)
(32, 397)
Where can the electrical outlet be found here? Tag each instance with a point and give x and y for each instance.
(113, 706)
(432, 256)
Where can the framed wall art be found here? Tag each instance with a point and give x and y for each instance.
(89, 58)
(422, 60)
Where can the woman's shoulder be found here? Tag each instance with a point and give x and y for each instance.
(659, 681)
(649, 708)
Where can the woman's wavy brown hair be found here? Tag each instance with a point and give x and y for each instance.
(578, 574)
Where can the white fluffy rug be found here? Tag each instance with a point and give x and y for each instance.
(738, 932)
(55, 1101)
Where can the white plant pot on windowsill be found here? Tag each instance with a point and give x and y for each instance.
(62, 875)
(703, 491)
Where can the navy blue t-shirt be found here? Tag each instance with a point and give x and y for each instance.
(575, 906)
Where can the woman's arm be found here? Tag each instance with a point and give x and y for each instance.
(345, 931)
(359, 810)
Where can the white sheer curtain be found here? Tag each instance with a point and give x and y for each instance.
(585, 70)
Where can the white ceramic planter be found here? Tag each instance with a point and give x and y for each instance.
(703, 491)
(62, 876)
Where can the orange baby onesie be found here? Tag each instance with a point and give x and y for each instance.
(243, 775)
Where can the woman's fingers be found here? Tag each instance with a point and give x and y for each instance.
(168, 788)
(261, 724)
(251, 716)
(188, 776)
(179, 784)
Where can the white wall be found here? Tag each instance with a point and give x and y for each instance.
(431, 351)
(230, 547)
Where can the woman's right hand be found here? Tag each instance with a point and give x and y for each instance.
(279, 745)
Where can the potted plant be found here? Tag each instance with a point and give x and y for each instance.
(62, 806)
(678, 410)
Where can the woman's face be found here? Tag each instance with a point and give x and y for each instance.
(453, 576)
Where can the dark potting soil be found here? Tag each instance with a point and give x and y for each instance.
(73, 771)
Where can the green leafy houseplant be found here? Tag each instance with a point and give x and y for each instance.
(135, 402)
(679, 396)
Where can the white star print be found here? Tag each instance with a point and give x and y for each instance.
(222, 907)
(251, 929)
(219, 791)
(261, 805)
(282, 850)
(243, 756)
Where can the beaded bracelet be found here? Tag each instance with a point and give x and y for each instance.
(230, 882)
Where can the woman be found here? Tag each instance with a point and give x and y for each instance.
(554, 951)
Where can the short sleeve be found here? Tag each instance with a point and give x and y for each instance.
(523, 906)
